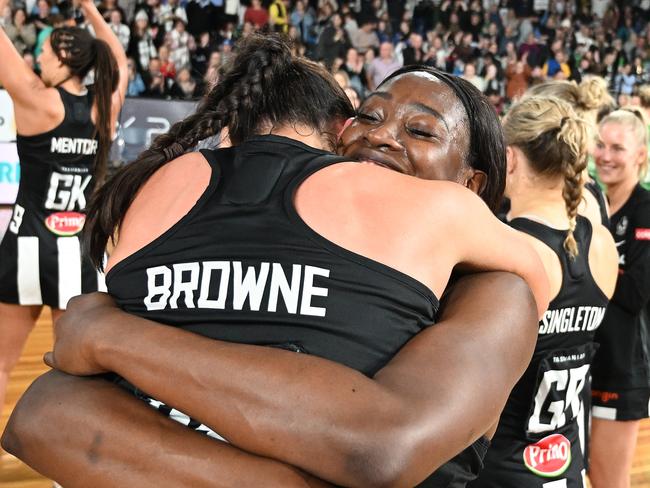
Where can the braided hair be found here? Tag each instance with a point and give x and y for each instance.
(263, 86)
(554, 140)
(77, 49)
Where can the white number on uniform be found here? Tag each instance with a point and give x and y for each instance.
(67, 192)
(556, 484)
(569, 381)
(16, 219)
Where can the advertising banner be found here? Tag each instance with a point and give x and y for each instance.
(7, 123)
(141, 121)
(9, 173)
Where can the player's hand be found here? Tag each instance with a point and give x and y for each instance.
(87, 320)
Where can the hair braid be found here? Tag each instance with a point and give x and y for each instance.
(264, 84)
(554, 140)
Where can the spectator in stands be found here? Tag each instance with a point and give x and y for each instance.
(22, 34)
(41, 17)
(136, 86)
(413, 53)
(167, 66)
(141, 47)
(333, 41)
(179, 45)
(156, 85)
(107, 6)
(382, 66)
(493, 84)
(212, 72)
(200, 56)
(518, 75)
(257, 15)
(122, 31)
(437, 54)
(303, 19)
(365, 37)
(355, 69)
(470, 75)
(171, 11)
(625, 80)
(557, 67)
(278, 15)
(185, 87)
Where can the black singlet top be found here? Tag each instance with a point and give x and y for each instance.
(549, 396)
(595, 190)
(242, 266)
(623, 361)
(56, 166)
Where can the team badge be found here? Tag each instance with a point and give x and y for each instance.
(621, 227)
(65, 223)
(549, 457)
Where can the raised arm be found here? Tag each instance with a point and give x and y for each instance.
(113, 439)
(104, 32)
(443, 390)
(15, 76)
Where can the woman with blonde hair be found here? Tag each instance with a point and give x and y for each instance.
(621, 375)
(588, 99)
(541, 434)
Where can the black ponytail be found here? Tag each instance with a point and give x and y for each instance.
(77, 49)
(264, 86)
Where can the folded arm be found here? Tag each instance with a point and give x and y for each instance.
(106, 438)
(324, 418)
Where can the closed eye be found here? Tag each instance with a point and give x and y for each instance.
(421, 133)
(367, 117)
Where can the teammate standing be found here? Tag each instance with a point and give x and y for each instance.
(541, 434)
(621, 374)
(64, 135)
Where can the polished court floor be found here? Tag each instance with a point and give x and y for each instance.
(14, 474)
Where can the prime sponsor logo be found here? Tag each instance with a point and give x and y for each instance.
(549, 457)
(65, 223)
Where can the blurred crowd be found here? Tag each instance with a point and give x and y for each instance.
(176, 47)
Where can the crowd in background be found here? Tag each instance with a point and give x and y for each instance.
(176, 47)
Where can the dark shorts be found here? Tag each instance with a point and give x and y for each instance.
(632, 404)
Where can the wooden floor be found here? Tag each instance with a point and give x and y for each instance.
(14, 474)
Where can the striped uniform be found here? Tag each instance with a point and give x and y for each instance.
(40, 255)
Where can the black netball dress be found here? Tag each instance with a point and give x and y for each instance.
(40, 255)
(242, 266)
(541, 438)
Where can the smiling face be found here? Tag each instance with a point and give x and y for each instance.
(618, 154)
(413, 124)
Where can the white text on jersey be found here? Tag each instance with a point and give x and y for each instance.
(571, 319)
(76, 145)
(205, 285)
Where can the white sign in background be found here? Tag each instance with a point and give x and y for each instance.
(9, 173)
(7, 123)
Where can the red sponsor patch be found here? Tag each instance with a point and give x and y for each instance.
(549, 457)
(65, 223)
(642, 234)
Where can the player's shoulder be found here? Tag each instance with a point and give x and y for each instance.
(371, 181)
